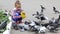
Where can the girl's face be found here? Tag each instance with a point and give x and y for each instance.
(18, 6)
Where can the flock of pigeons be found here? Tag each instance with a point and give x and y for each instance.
(40, 28)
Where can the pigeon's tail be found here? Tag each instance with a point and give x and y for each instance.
(42, 7)
(56, 11)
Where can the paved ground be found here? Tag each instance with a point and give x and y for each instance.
(30, 7)
(26, 32)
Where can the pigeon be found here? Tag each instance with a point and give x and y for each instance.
(42, 8)
(56, 11)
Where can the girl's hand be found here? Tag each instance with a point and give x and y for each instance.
(18, 16)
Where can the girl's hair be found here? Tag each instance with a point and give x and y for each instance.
(17, 2)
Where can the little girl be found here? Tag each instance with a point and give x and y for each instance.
(16, 14)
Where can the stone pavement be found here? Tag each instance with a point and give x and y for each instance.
(26, 32)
